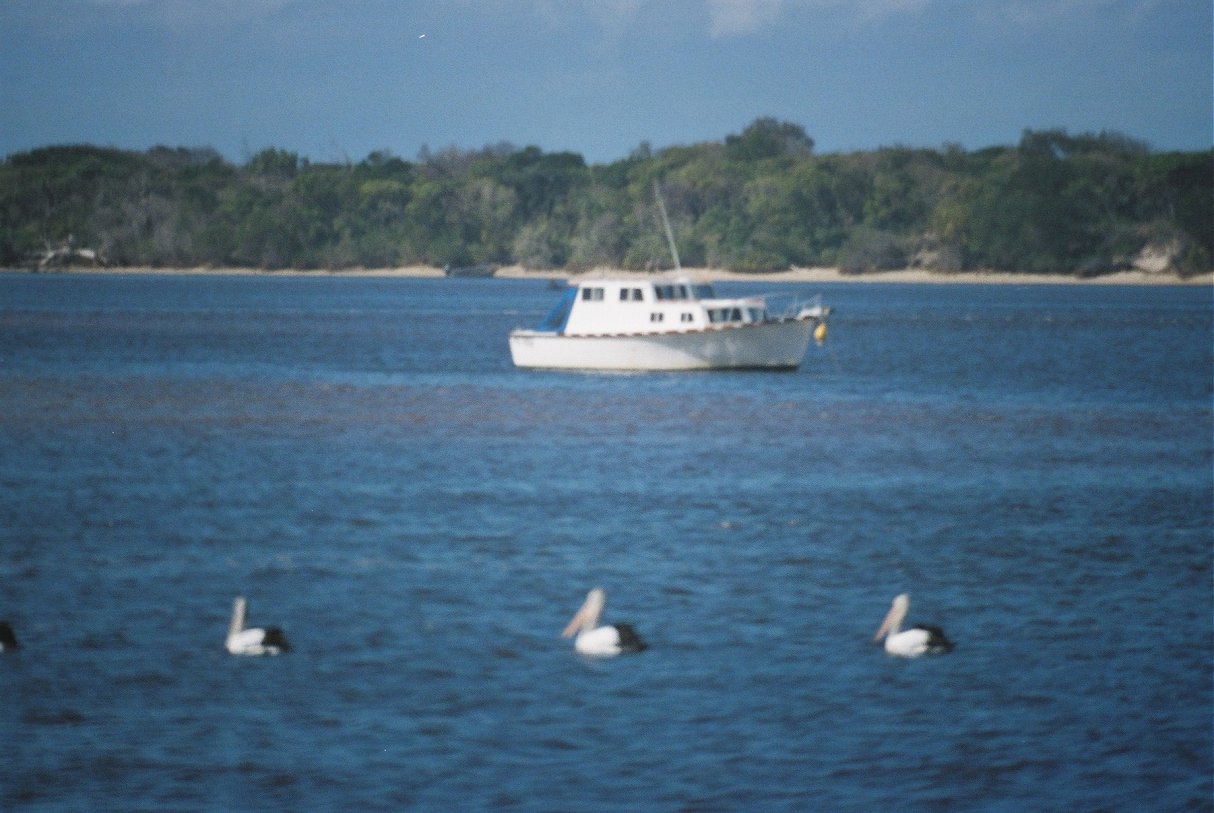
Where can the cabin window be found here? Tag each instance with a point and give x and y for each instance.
(686, 317)
(671, 292)
(718, 315)
(656, 317)
(703, 291)
(631, 295)
(592, 294)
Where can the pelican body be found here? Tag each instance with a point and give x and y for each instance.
(910, 643)
(252, 641)
(604, 641)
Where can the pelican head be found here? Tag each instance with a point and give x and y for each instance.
(588, 616)
(893, 619)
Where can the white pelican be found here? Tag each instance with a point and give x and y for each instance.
(8, 640)
(911, 643)
(254, 641)
(600, 641)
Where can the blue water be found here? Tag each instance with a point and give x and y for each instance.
(358, 457)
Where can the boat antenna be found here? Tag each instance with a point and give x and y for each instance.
(674, 251)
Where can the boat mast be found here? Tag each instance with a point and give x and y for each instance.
(674, 251)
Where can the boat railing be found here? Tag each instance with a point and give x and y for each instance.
(795, 305)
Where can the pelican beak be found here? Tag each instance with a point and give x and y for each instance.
(893, 619)
(588, 615)
(576, 623)
(885, 625)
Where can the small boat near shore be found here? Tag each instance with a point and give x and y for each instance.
(666, 324)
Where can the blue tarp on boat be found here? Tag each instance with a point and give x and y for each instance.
(555, 321)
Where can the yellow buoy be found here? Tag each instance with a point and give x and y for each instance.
(820, 333)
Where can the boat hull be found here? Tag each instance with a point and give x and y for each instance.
(774, 345)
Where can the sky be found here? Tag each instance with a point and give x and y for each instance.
(335, 80)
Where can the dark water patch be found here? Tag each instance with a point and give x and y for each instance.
(54, 717)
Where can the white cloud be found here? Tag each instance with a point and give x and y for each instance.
(614, 12)
(726, 18)
(731, 18)
(181, 14)
(741, 17)
(887, 8)
(1044, 12)
(610, 15)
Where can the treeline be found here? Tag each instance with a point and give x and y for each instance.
(759, 200)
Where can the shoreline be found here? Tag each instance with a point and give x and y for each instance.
(796, 275)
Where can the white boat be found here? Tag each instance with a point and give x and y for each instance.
(670, 323)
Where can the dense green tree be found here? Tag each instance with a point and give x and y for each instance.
(758, 200)
(769, 138)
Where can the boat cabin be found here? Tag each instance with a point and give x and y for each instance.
(612, 306)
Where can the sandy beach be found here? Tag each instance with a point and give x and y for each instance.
(793, 275)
